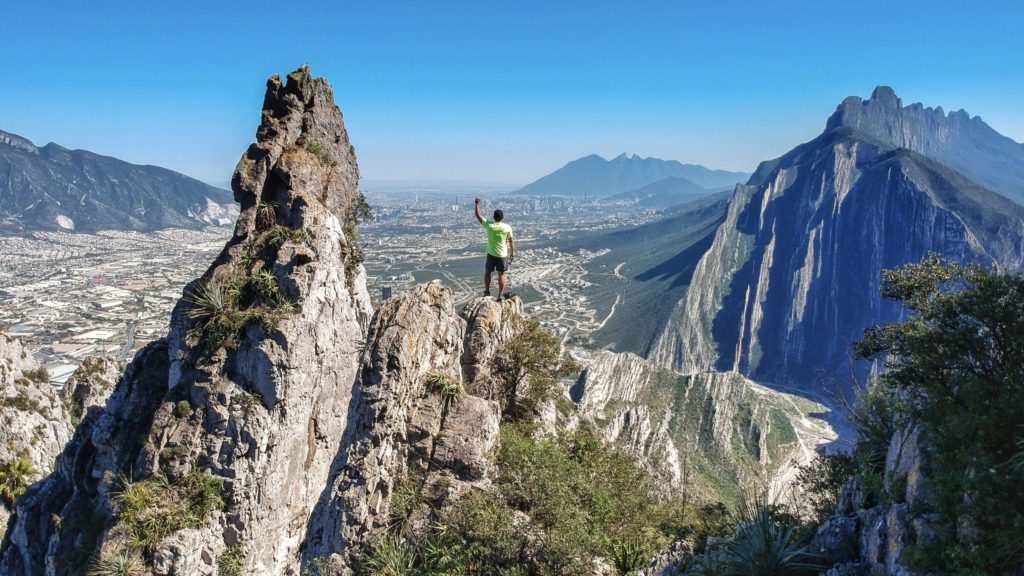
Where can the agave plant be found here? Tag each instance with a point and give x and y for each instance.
(15, 477)
(767, 543)
(210, 299)
(628, 556)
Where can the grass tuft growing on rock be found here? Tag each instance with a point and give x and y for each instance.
(449, 390)
(150, 510)
(231, 561)
(123, 563)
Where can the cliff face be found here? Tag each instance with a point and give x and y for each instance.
(422, 415)
(792, 276)
(38, 418)
(713, 434)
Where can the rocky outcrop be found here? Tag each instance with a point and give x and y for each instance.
(792, 276)
(34, 425)
(252, 386)
(876, 540)
(90, 386)
(713, 434)
(416, 417)
(269, 428)
(53, 188)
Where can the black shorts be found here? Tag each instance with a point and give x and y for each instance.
(495, 263)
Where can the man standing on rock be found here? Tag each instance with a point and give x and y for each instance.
(501, 248)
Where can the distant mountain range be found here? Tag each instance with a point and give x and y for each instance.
(596, 177)
(53, 188)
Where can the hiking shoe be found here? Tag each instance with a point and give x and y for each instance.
(487, 293)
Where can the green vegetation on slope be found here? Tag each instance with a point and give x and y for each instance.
(956, 368)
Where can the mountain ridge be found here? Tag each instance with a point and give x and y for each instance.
(597, 177)
(55, 188)
(792, 276)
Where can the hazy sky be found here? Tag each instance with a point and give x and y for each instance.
(496, 91)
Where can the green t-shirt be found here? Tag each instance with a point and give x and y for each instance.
(498, 234)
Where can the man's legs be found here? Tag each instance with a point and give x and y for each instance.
(487, 282)
(501, 284)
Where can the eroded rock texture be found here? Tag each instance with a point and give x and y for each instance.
(712, 434)
(262, 409)
(417, 420)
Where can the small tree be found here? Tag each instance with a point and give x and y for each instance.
(956, 367)
(529, 366)
(821, 482)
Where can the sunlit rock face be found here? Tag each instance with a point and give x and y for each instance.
(711, 434)
(263, 411)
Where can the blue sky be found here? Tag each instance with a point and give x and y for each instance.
(496, 91)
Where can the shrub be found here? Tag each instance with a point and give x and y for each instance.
(150, 510)
(15, 477)
(954, 367)
(316, 149)
(821, 482)
(533, 355)
(39, 375)
(359, 212)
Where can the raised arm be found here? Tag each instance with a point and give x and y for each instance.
(479, 217)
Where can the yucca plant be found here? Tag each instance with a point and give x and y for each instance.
(405, 499)
(123, 563)
(393, 557)
(266, 214)
(278, 235)
(209, 301)
(15, 478)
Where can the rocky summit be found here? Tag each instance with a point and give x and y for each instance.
(268, 430)
(53, 188)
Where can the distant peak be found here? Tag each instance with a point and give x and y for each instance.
(622, 156)
(885, 95)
